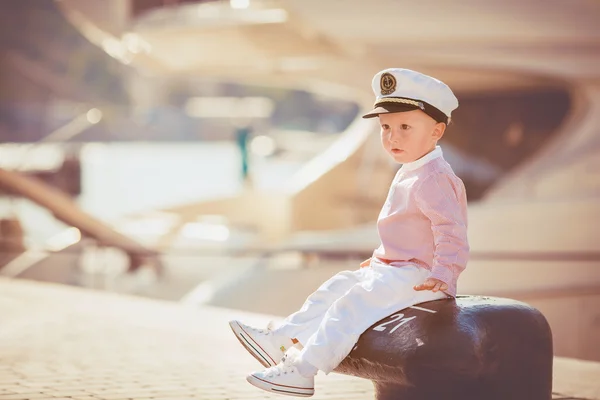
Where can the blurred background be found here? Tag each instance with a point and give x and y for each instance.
(212, 152)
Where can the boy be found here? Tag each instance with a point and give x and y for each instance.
(424, 248)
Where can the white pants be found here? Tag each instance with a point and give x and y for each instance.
(332, 318)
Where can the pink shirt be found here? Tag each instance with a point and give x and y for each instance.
(424, 219)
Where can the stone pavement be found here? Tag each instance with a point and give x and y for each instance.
(59, 342)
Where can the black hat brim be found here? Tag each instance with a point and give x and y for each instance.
(388, 108)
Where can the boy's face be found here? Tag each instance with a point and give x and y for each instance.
(408, 136)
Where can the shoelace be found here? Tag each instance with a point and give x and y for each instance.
(281, 368)
(278, 370)
(261, 331)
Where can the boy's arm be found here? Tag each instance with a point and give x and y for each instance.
(432, 284)
(443, 202)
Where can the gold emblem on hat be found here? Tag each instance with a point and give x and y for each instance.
(388, 83)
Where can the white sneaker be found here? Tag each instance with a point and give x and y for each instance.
(283, 378)
(267, 347)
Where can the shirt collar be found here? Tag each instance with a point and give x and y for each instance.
(433, 154)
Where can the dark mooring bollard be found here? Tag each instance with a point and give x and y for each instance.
(470, 348)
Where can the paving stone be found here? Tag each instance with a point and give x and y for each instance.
(60, 342)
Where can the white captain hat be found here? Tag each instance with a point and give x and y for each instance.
(399, 89)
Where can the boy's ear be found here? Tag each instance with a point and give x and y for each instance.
(439, 130)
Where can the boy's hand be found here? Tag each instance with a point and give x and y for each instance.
(432, 284)
(365, 263)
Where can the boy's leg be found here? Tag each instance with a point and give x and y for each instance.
(302, 324)
(269, 345)
(384, 291)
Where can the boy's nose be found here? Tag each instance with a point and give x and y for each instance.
(396, 135)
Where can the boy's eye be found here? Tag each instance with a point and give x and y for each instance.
(405, 127)
(385, 127)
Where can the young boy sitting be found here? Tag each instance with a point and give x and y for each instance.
(423, 231)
